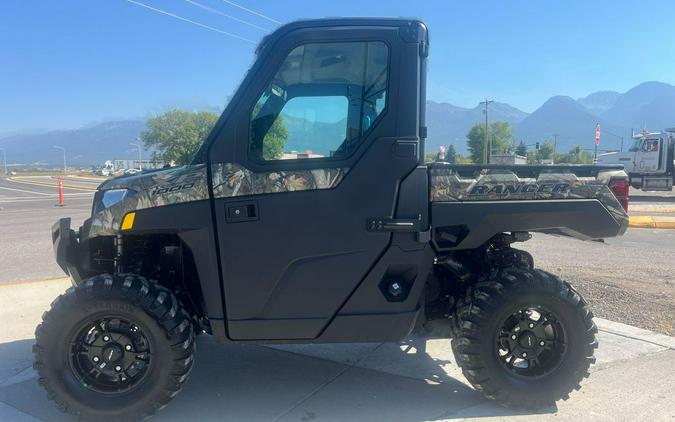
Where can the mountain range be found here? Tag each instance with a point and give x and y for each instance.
(85, 146)
(650, 105)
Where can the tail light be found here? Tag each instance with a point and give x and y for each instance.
(619, 188)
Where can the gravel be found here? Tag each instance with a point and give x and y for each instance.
(629, 279)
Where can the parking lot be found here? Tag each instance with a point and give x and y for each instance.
(28, 208)
(627, 280)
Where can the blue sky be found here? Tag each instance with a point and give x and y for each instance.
(67, 63)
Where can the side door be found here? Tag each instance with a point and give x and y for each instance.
(313, 146)
(649, 155)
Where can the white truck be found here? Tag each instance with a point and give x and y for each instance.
(108, 169)
(129, 166)
(649, 161)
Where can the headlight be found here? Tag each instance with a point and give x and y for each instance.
(113, 196)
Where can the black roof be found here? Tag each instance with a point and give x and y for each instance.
(337, 21)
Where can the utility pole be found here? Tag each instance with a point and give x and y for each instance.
(486, 146)
(555, 143)
(4, 154)
(140, 165)
(64, 157)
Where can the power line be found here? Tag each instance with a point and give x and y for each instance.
(163, 12)
(218, 12)
(251, 11)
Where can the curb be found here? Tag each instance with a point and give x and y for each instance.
(635, 333)
(651, 222)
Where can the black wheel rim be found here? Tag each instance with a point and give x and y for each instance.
(531, 342)
(110, 355)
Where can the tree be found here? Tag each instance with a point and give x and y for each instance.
(460, 159)
(451, 154)
(274, 140)
(177, 134)
(475, 143)
(521, 149)
(546, 150)
(572, 157)
(500, 137)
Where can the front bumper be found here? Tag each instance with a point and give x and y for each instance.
(66, 249)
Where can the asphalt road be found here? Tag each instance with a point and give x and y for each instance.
(28, 208)
(641, 197)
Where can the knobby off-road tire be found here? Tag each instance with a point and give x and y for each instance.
(510, 298)
(138, 325)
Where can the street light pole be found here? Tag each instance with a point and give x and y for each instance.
(486, 146)
(140, 165)
(4, 155)
(64, 157)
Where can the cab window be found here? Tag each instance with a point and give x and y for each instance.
(650, 145)
(321, 102)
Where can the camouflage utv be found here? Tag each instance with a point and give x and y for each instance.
(343, 234)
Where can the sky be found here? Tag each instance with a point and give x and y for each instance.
(71, 63)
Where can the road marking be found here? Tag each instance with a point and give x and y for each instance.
(25, 191)
(51, 185)
(89, 179)
(50, 195)
(53, 198)
(48, 280)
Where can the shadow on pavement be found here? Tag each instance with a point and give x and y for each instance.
(255, 383)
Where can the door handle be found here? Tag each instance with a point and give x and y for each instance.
(392, 225)
(241, 211)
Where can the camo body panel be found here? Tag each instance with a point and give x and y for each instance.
(175, 185)
(190, 183)
(232, 179)
(448, 185)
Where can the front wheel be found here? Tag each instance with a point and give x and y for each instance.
(117, 347)
(525, 338)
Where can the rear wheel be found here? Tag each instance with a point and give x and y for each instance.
(524, 338)
(117, 347)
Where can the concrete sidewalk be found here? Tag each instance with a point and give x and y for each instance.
(412, 381)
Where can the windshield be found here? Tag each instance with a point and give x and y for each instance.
(635, 146)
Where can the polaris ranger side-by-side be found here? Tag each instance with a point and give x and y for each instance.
(309, 216)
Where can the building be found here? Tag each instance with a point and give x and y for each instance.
(507, 159)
